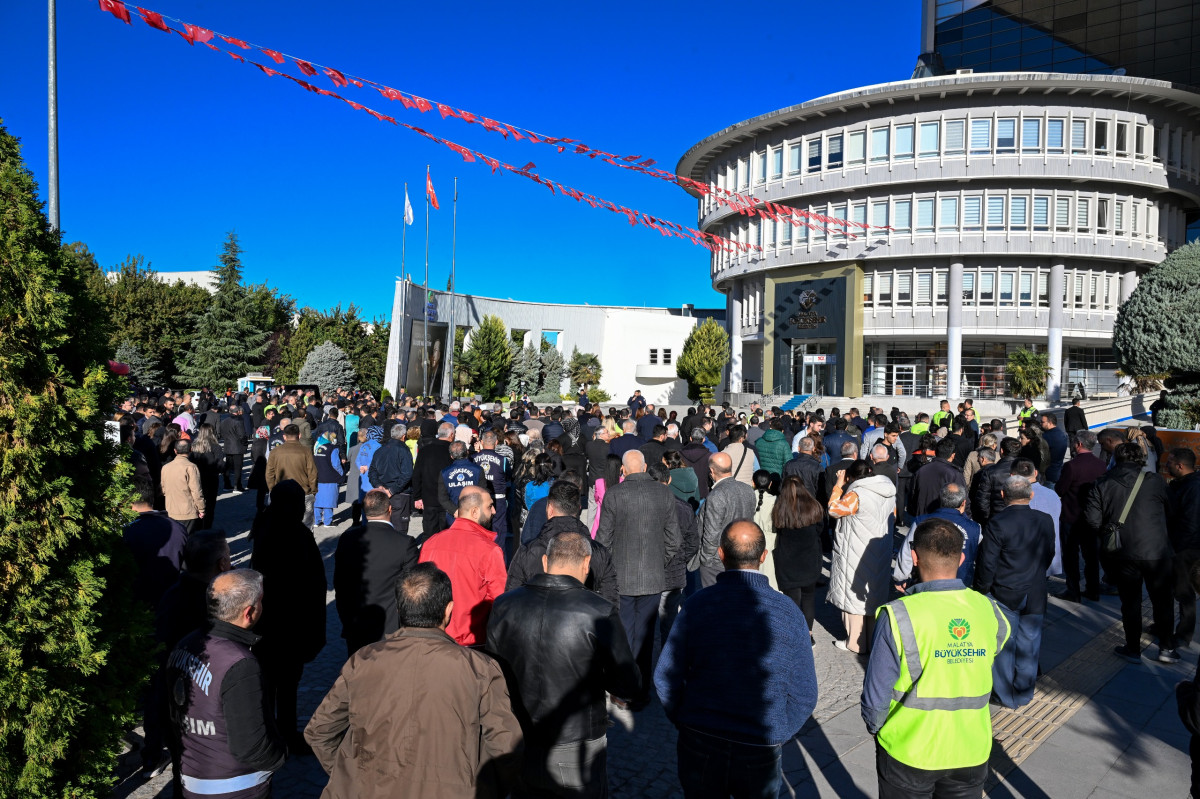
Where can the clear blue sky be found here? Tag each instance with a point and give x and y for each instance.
(165, 147)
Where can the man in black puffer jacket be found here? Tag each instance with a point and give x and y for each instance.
(562, 647)
(562, 516)
(676, 570)
(986, 500)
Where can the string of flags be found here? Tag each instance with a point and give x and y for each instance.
(742, 204)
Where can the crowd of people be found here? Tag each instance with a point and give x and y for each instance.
(556, 545)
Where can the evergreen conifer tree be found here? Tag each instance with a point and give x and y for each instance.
(328, 366)
(551, 373)
(142, 370)
(525, 375)
(1156, 333)
(228, 341)
(72, 645)
(704, 355)
(490, 356)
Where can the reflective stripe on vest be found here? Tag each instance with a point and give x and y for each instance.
(945, 678)
(229, 785)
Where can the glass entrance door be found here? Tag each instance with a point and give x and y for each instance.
(904, 379)
(814, 367)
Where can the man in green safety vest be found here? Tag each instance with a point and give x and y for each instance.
(942, 418)
(1027, 412)
(929, 679)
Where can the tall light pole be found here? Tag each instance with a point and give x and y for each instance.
(52, 189)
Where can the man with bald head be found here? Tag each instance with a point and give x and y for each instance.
(735, 705)
(639, 526)
(467, 551)
(728, 501)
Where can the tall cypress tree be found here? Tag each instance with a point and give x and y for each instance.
(228, 341)
(489, 356)
(704, 355)
(71, 650)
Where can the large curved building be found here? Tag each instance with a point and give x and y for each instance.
(1010, 210)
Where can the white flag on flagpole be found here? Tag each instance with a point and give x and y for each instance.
(408, 212)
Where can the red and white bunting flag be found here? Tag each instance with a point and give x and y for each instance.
(117, 9)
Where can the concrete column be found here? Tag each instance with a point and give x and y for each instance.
(1054, 336)
(1129, 281)
(734, 303)
(954, 332)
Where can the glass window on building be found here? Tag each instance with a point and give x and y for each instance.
(814, 155)
(817, 231)
(885, 289)
(981, 136)
(1077, 294)
(1122, 138)
(1133, 218)
(1041, 214)
(1026, 290)
(772, 226)
(856, 147)
(941, 284)
(1083, 210)
(1054, 135)
(904, 289)
(879, 215)
(1062, 214)
(968, 289)
(761, 176)
(879, 144)
(902, 216)
(835, 151)
(987, 288)
(1018, 213)
(1078, 136)
(1091, 370)
(955, 137)
(995, 213)
(1006, 136)
(972, 213)
(858, 213)
(785, 235)
(924, 289)
(794, 154)
(929, 139)
(838, 231)
(653, 357)
(743, 173)
(1101, 137)
(868, 290)
(1006, 289)
(1031, 135)
(776, 163)
(904, 142)
(948, 214)
(1102, 215)
(925, 215)
(1139, 141)
(1043, 284)
(666, 355)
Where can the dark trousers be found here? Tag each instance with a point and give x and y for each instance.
(578, 770)
(233, 468)
(281, 679)
(1015, 669)
(500, 526)
(401, 505)
(805, 598)
(900, 781)
(1181, 589)
(638, 614)
(433, 518)
(1157, 576)
(714, 768)
(1080, 540)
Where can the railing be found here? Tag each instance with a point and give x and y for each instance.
(752, 387)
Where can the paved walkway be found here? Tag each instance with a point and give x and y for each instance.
(1098, 727)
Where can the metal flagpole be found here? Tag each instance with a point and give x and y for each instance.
(52, 189)
(453, 335)
(425, 299)
(404, 231)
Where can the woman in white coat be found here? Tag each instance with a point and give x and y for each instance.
(860, 576)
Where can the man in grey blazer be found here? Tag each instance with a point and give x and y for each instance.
(639, 526)
(728, 501)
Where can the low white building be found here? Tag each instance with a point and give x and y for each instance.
(204, 278)
(637, 347)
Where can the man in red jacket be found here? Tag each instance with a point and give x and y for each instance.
(468, 553)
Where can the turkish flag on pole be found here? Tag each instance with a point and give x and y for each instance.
(430, 194)
(117, 9)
